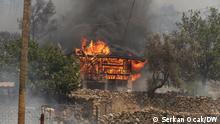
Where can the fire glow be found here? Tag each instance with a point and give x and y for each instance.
(98, 63)
(137, 65)
(95, 48)
(134, 77)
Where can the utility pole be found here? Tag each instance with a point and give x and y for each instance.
(24, 61)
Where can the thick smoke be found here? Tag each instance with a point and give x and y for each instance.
(107, 20)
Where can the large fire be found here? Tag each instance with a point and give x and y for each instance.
(97, 63)
(95, 48)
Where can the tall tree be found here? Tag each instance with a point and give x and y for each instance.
(161, 55)
(51, 73)
(24, 61)
(199, 36)
(190, 54)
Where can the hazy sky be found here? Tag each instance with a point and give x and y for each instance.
(183, 5)
(11, 10)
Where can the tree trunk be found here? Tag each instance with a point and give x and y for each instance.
(151, 91)
(157, 83)
(24, 61)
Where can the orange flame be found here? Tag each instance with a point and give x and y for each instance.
(99, 68)
(95, 48)
(134, 77)
(137, 65)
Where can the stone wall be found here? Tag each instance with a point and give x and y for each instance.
(104, 105)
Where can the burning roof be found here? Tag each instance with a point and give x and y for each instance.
(102, 49)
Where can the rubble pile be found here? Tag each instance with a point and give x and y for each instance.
(136, 107)
(113, 99)
(177, 103)
(91, 94)
(146, 116)
(134, 101)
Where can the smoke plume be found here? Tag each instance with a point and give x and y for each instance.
(117, 22)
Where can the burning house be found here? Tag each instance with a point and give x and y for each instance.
(106, 67)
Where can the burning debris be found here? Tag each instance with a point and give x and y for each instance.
(100, 64)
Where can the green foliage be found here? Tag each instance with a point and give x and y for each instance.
(50, 71)
(200, 38)
(53, 73)
(162, 63)
(190, 54)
